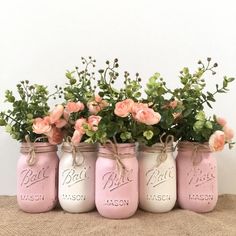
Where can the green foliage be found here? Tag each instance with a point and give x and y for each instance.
(158, 96)
(30, 102)
(79, 86)
(194, 125)
(111, 126)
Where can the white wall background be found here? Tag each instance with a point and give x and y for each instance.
(39, 40)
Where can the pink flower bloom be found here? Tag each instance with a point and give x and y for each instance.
(97, 99)
(124, 108)
(56, 114)
(229, 133)
(136, 107)
(217, 141)
(74, 107)
(56, 136)
(93, 122)
(148, 116)
(97, 105)
(103, 104)
(173, 104)
(41, 126)
(60, 123)
(221, 121)
(93, 107)
(66, 115)
(76, 138)
(79, 125)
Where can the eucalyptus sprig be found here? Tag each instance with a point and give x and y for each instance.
(158, 98)
(108, 76)
(80, 86)
(31, 101)
(122, 129)
(193, 95)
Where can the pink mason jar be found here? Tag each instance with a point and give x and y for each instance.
(197, 177)
(37, 170)
(116, 187)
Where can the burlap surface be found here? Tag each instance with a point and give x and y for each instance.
(222, 221)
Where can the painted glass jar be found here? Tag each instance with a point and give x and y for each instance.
(37, 170)
(116, 191)
(77, 177)
(197, 177)
(157, 177)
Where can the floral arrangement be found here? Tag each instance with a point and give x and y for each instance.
(31, 102)
(193, 125)
(76, 118)
(126, 116)
(94, 110)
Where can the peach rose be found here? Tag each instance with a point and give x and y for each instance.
(41, 126)
(124, 108)
(79, 125)
(217, 141)
(56, 114)
(221, 121)
(93, 107)
(76, 138)
(148, 116)
(138, 106)
(97, 105)
(93, 122)
(56, 136)
(74, 107)
(60, 123)
(66, 115)
(98, 99)
(103, 104)
(229, 133)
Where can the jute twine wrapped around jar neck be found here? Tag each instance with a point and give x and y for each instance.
(161, 149)
(117, 156)
(77, 150)
(196, 148)
(32, 148)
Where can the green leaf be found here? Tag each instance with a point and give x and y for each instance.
(198, 125)
(8, 129)
(148, 134)
(187, 112)
(125, 136)
(208, 124)
(89, 133)
(230, 79)
(3, 122)
(200, 116)
(209, 105)
(185, 70)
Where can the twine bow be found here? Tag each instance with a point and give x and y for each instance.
(30, 149)
(197, 150)
(71, 148)
(163, 155)
(161, 149)
(31, 154)
(115, 155)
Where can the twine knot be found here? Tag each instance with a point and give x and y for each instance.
(68, 146)
(161, 149)
(197, 150)
(115, 155)
(30, 149)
